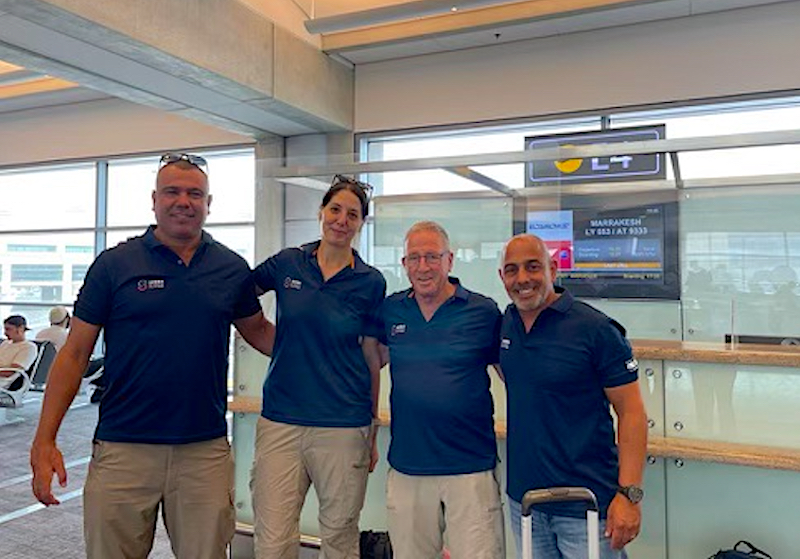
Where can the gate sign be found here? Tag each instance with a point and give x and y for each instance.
(613, 168)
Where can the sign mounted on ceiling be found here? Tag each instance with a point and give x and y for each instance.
(611, 168)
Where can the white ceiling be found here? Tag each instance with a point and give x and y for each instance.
(21, 89)
(486, 26)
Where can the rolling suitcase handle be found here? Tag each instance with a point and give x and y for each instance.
(561, 495)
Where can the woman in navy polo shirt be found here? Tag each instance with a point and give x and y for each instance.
(320, 396)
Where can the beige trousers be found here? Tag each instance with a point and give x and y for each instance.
(127, 483)
(467, 508)
(288, 459)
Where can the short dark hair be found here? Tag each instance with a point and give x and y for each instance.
(16, 320)
(342, 183)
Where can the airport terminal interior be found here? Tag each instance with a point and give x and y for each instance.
(654, 145)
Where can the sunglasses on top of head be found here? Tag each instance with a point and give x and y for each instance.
(195, 160)
(365, 187)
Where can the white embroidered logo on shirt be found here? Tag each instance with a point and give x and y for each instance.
(290, 283)
(632, 365)
(505, 343)
(144, 285)
(398, 329)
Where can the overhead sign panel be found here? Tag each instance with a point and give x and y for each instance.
(613, 168)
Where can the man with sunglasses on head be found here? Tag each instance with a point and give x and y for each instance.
(443, 455)
(166, 301)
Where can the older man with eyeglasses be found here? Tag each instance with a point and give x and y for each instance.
(166, 301)
(441, 337)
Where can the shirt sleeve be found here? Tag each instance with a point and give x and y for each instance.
(373, 325)
(380, 321)
(265, 273)
(614, 356)
(496, 320)
(94, 299)
(247, 302)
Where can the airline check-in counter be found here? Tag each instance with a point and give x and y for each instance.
(708, 294)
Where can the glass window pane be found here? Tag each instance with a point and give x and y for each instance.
(43, 276)
(456, 143)
(700, 122)
(47, 198)
(240, 240)
(475, 141)
(233, 186)
(232, 181)
(130, 184)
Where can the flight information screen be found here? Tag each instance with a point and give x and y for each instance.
(621, 253)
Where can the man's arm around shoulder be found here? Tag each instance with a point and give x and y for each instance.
(63, 383)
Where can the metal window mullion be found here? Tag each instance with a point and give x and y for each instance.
(101, 206)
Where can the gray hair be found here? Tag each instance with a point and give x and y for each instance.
(428, 226)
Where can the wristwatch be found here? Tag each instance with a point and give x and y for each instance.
(634, 493)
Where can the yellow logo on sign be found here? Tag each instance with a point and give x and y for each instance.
(568, 166)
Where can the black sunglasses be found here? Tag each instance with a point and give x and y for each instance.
(195, 160)
(365, 187)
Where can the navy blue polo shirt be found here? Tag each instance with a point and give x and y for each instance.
(560, 431)
(167, 329)
(442, 410)
(318, 376)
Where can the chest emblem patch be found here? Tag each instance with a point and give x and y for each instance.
(290, 283)
(505, 343)
(145, 284)
(398, 329)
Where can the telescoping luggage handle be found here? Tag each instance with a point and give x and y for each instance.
(561, 495)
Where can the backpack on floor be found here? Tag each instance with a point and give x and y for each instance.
(375, 545)
(752, 553)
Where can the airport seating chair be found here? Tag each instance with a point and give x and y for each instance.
(92, 382)
(17, 385)
(14, 387)
(20, 381)
(46, 354)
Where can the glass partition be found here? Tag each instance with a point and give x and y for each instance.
(732, 253)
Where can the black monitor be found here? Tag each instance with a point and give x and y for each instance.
(610, 246)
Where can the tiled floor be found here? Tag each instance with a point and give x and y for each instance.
(27, 530)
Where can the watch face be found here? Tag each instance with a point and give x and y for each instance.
(633, 493)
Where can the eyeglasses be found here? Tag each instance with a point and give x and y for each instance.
(432, 258)
(365, 187)
(195, 160)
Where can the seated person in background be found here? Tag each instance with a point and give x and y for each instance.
(15, 352)
(57, 331)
